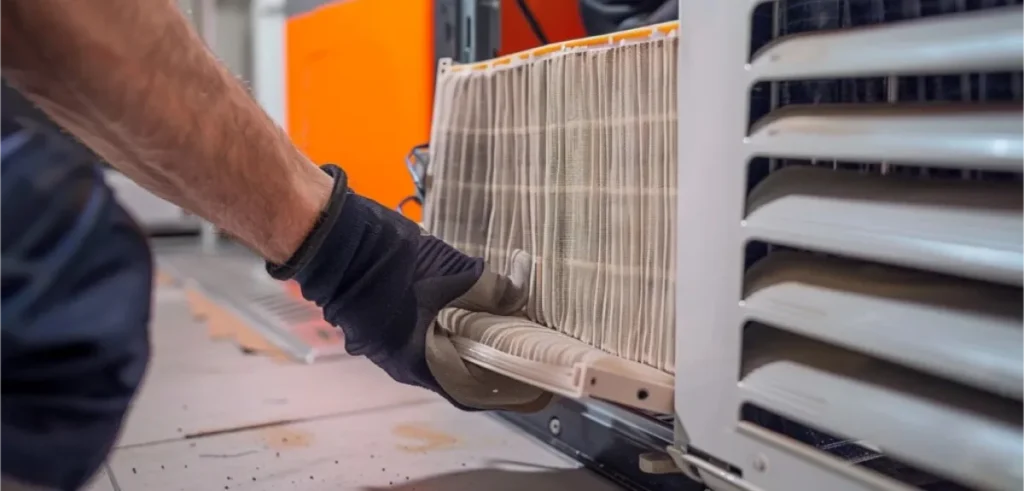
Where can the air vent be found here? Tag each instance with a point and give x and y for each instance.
(872, 152)
(237, 281)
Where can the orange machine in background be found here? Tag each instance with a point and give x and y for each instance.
(360, 82)
(360, 77)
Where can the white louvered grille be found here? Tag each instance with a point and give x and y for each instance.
(881, 227)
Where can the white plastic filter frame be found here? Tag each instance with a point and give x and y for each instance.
(576, 382)
(715, 79)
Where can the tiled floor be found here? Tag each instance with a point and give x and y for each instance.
(212, 418)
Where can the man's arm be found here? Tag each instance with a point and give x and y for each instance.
(133, 81)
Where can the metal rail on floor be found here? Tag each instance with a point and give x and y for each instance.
(236, 280)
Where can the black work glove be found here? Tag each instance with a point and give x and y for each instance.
(382, 279)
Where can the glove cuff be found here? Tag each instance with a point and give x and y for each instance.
(321, 229)
(357, 265)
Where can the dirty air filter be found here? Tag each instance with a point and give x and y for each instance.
(569, 154)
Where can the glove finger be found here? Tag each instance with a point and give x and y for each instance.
(499, 294)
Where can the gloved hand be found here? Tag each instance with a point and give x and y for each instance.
(382, 279)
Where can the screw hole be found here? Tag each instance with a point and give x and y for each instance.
(593, 381)
(642, 394)
(555, 426)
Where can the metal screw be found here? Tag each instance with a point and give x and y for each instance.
(760, 463)
(555, 426)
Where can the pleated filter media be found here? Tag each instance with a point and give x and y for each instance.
(567, 161)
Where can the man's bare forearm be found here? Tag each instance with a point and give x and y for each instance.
(133, 81)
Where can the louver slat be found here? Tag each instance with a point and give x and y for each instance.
(964, 331)
(980, 137)
(988, 40)
(965, 228)
(971, 437)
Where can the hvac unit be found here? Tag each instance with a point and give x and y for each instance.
(780, 240)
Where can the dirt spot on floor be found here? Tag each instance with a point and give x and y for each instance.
(164, 279)
(428, 439)
(285, 438)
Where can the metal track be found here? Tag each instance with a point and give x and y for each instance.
(605, 439)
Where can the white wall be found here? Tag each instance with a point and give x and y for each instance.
(267, 49)
(233, 43)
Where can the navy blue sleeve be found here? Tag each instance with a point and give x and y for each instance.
(76, 283)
